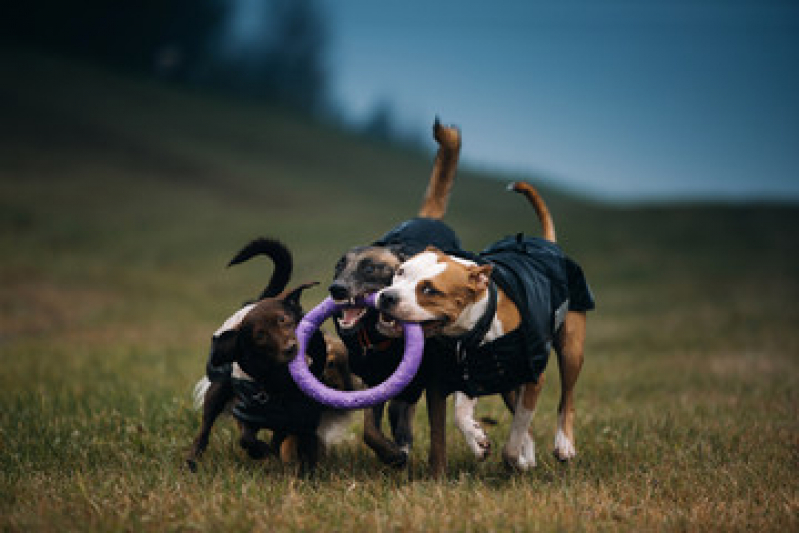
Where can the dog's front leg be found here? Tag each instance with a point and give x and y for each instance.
(256, 449)
(214, 403)
(475, 437)
(387, 451)
(308, 454)
(437, 416)
(400, 418)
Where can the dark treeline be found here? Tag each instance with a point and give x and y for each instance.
(280, 57)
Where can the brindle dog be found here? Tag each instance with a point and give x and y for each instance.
(363, 270)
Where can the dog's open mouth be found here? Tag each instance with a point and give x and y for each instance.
(389, 326)
(392, 327)
(351, 315)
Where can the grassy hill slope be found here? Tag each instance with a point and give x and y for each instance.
(122, 199)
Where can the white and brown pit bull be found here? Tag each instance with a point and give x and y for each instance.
(503, 310)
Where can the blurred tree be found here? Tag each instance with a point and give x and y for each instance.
(187, 41)
(380, 123)
(280, 55)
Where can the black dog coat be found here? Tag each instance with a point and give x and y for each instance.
(271, 399)
(544, 284)
(374, 357)
(259, 405)
(416, 234)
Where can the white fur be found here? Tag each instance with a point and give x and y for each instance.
(234, 320)
(426, 266)
(564, 447)
(333, 427)
(238, 373)
(200, 389)
(474, 435)
(202, 386)
(421, 266)
(519, 451)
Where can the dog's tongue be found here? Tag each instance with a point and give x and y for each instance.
(351, 315)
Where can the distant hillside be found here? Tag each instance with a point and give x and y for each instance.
(142, 174)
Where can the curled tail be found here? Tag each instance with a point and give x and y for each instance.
(540, 207)
(437, 195)
(278, 253)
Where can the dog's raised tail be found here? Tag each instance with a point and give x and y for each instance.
(436, 197)
(540, 207)
(280, 256)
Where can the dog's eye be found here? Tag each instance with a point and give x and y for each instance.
(400, 272)
(282, 319)
(429, 290)
(367, 267)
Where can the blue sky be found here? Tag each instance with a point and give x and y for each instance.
(626, 100)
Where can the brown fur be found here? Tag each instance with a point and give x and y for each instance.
(437, 195)
(460, 285)
(266, 337)
(532, 195)
(352, 281)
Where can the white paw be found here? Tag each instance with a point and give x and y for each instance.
(478, 442)
(522, 459)
(564, 447)
(528, 452)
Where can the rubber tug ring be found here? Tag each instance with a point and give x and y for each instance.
(307, 382)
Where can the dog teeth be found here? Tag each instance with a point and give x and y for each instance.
(389, 322)
(350, 316)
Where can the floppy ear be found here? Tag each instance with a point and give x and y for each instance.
(292, 297)
(224, 348)
(479, 276)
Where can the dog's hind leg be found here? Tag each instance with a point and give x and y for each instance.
(519, 452)
(215, 400)
(569, 347)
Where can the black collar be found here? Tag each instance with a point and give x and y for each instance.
(472, 338)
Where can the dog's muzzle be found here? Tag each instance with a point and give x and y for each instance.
(388, 300)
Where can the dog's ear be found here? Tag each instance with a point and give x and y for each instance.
(224, 347)
(401, 252)
(292, 297)
(479, 276)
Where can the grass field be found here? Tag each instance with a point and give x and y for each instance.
(121, 201)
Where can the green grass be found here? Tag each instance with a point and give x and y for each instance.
(121, 200)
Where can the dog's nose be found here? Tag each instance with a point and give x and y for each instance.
(339, 291)
(387, 300)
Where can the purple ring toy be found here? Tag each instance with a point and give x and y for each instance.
(307, 382)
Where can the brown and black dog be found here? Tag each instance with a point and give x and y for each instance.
(247, 372)
(364, 270)
(502, 311)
